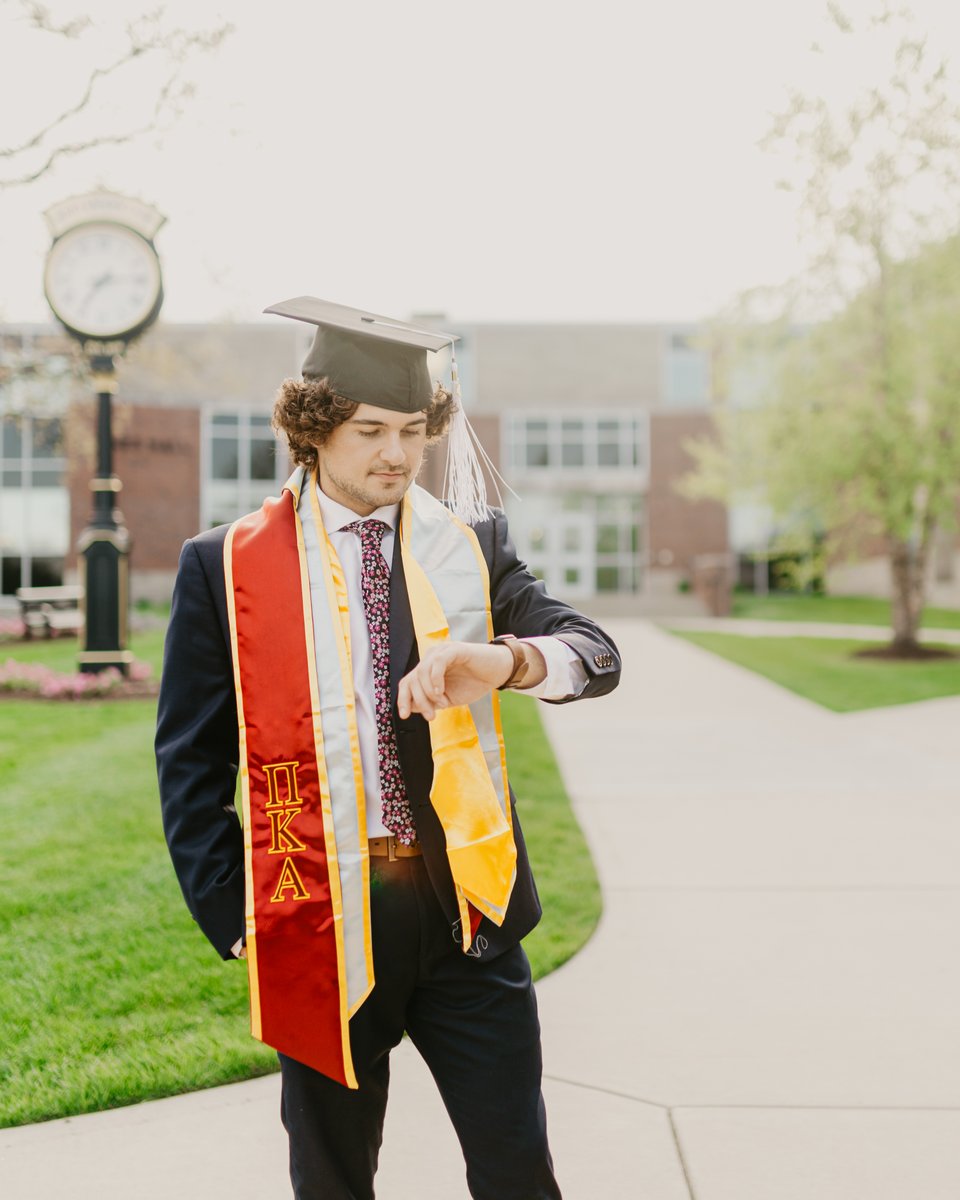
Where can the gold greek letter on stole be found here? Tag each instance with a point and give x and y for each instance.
(289, 881)
(283, 804)
(289, 776)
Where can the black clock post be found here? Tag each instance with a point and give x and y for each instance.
(104, 546)
(103, 282)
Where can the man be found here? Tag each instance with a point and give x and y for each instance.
(338, 651)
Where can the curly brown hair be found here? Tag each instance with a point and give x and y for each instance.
(307, 411)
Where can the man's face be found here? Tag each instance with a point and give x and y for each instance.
(371, 459)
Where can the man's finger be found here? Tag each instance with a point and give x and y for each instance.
(403, 697)
(419, 700)
(438, 674)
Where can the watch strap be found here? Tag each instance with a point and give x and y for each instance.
(521, 664)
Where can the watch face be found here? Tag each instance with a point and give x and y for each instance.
(102, 280)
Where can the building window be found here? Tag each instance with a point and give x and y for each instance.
(618, 543)
(535, 446)
(31, 451)
(34, 504)
(589, 443)
(242, 463)
(225, 447)
(687, 372)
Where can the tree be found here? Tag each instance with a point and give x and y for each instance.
(858, 431)
(147, 46)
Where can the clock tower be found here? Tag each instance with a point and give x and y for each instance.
(103, 283)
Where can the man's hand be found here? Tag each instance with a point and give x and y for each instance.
(459, 673)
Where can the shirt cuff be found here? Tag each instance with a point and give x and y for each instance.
(566, 676)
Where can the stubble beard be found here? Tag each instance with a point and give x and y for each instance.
(366, 496)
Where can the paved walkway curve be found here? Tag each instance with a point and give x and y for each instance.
(769, 1010)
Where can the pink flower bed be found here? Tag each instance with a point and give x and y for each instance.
(32, 679)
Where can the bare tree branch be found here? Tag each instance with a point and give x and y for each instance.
(40, 17)
(97, 74)
(146, 37)
(107, 139)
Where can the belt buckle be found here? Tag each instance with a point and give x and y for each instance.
(391, 848)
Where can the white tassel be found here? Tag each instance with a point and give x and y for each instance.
(464, 485)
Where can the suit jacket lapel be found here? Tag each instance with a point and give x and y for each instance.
(401, 621)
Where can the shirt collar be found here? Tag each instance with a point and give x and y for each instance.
(336, 515)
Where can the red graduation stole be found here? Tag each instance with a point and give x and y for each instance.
(294, 951)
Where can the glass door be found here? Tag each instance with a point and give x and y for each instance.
(570, 569)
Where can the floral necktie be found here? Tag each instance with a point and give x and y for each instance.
(375, 586)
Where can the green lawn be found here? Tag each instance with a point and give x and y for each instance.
(566, 879)
(825, 670)
(110, 993)
(842, 610)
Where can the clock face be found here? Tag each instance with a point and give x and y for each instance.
(102, 280)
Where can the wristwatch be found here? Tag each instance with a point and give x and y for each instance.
(521, 664)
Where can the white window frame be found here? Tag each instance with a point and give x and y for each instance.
(634, 440)
(249, 492)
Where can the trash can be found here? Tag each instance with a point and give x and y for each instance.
(712, 580)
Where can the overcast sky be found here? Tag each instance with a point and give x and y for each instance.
(506, 160)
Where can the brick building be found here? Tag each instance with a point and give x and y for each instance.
(586, 422)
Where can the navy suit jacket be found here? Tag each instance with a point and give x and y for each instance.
(197, 737)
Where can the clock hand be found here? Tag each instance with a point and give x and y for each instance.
(97, 285)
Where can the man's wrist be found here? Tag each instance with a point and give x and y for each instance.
(520, 656)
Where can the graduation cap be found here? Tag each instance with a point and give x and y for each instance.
(372, 359)
(365, 357)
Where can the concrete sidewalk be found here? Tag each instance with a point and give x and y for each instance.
(774, 977)
(770, 1009)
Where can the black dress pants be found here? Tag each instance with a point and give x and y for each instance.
(475, 1024)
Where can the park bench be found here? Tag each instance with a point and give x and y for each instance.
(52, 609)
